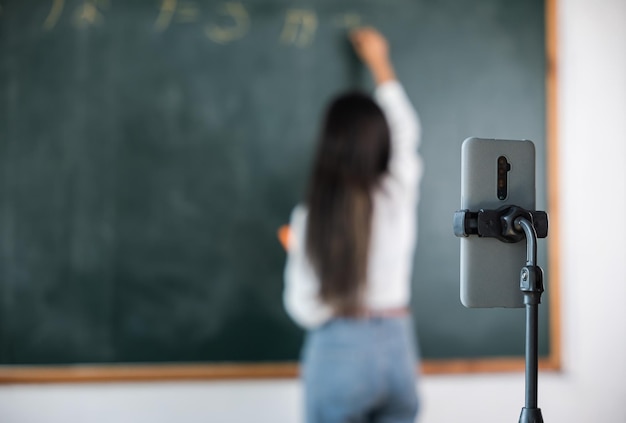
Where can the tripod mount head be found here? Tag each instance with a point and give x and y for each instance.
(502, 223)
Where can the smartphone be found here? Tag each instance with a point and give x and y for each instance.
(494, 173)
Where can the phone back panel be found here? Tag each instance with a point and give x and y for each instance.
(490, 268)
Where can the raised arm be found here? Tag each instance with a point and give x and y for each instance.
(373, 50)
(405, 164)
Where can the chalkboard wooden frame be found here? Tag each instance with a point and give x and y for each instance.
(154, 372)
(136, 373)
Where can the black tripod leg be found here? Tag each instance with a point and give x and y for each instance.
(530, 413)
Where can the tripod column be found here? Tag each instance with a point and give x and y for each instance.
(531, 284)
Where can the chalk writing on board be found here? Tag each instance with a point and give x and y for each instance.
(300, 27)
(90, 13)
(54, 14)
(239, 26)
(348, 20)
(180, 12)
(229, 22)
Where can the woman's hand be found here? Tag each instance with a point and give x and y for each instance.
(373, 49)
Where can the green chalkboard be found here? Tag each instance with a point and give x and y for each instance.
(149, 151)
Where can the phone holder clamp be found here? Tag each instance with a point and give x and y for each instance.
(502, 223)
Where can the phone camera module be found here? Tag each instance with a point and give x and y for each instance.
(503, 180)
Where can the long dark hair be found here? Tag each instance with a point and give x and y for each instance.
(353, 152)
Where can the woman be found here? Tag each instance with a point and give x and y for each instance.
(350, 253)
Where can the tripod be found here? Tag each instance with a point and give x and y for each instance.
(512, 224)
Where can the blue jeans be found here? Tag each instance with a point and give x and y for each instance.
(361, 371)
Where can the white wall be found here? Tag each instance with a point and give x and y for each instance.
(592, 387)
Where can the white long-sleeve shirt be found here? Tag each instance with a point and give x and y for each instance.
(394, 226)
